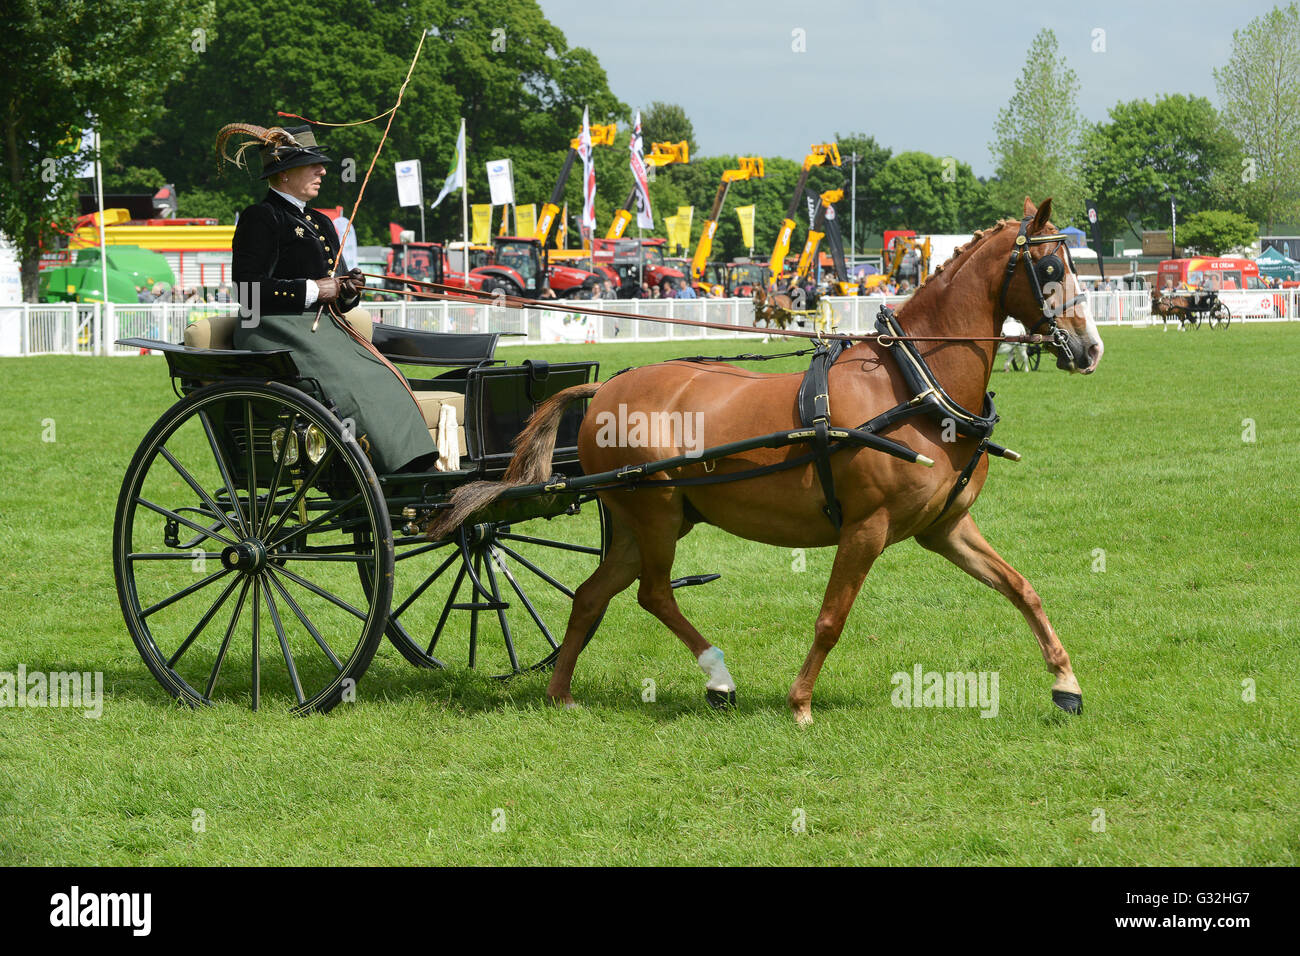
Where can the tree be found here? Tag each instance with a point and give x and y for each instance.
(1214, 232)
(872, 215)
(1147, 153)
(1038, 133)
(931, 194)
(667, 123)
(507, 70)
(70, 63)
(1259, 91)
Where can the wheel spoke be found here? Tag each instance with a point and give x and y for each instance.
(225, 642)
(314, 556)
(446, 610)
(321, 592)
(473, 613)
(284, 643)
(279, 470)
(528, 605)
(501, 614)
(217, 513)
(222, 467)
(252, 493)
(311, 525)
(257, 633)
(414, 551)
(548, 543)
(536, 570)
(181, 519)
(301, 493)
(172, 555)
(203, 622)
(185, 592)
(311, 629)
(424, 586)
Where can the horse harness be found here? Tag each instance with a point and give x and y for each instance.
(929, 396)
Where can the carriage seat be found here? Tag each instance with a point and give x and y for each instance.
(218, 332)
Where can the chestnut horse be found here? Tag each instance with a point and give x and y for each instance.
(883, 500)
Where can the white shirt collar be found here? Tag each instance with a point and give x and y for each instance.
(302, 206)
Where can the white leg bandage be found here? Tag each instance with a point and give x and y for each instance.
(719, 677)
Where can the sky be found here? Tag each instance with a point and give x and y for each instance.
(915, 75)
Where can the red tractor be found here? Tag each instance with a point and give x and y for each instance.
(521, 267)
(636, 261)
(424, 262)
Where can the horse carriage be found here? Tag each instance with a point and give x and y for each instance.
(1190, 308)
(250, 514)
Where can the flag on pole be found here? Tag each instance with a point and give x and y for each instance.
(456, 174)
(588, 221)
(644, 215)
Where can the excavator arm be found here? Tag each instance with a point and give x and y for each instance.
(661, 154)
(818, 154)
(546, 217)
(751, 167)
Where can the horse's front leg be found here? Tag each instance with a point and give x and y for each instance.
(962, 543)
(858, 549)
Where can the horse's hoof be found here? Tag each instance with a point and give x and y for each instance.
(1068, 701)
(721, 699)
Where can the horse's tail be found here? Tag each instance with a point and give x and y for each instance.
(531, 463)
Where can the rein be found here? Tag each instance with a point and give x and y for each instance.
(450, 293)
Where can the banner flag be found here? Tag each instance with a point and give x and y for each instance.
(482, 213)
(456, 174)
(746, 216)
(501, 181)
(409, 191)
(685, 215)
(644, 215)
(526, 219)
(588, 221)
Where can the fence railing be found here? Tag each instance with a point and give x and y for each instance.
(92, 328)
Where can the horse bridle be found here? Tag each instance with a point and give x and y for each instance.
(1049, 268)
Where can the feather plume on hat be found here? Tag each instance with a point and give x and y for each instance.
(277, 138)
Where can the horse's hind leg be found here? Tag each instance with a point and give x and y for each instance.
(620, 568)
(962, 544)
(857, 551)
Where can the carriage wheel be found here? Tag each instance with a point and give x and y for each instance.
(1194, 319)
(497, 595)
(1220, 317)
(231, 590)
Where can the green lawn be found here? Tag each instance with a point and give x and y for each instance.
(1144, 460)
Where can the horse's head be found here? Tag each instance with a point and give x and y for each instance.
(1041, 289)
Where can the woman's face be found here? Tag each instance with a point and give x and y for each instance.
(302, 182)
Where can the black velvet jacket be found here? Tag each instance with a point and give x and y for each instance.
(275, 249)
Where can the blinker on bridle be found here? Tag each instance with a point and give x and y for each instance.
(1049, 268)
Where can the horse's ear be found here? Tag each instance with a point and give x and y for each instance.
(1043, 214)
(1030, 208)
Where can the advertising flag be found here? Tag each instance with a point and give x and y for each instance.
(588, 221)
(409, 192)
(644, 215)
(526, 219)
(746, 216)
(1096, 234)
(482, 213)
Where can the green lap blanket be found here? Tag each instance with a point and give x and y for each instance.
(364, 389)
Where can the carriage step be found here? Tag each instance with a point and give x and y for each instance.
(691, 580)
(482, 606)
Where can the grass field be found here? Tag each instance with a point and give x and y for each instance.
(1142, 469)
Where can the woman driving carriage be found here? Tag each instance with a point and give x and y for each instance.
(284, 265)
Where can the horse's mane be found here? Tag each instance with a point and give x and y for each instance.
(968, 246)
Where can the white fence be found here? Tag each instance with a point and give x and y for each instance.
(91, 329)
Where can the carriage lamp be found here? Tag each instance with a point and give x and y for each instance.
(316, 444)
(277, 443)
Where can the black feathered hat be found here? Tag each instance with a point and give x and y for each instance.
(279, 148)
